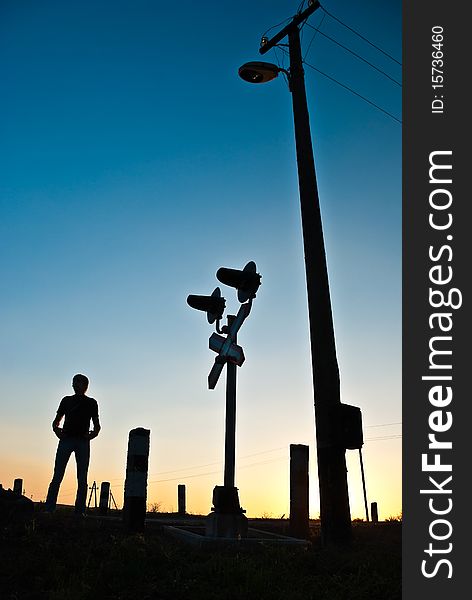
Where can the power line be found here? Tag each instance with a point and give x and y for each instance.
(185, 477)
(353, 92)
(317, 30)
(216, 462)
(281, 66)
(159, 473)
(299, 10)
(348, 88)
(300, 7)
(256, 464)
(277, 25)
(360, 35)
(70, 492)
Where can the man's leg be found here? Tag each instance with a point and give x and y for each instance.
(64, 450)
(82, 457)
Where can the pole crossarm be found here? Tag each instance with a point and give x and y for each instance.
(295, 22)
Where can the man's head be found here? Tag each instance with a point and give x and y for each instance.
(80, 383)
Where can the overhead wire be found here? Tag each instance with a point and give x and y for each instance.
(256, 464)
(219, 462)
(216, 472)
(281, 66)
(360, 35)
(299, 10)
(349, 89)
(300, 7)
(69, 492)
(317, 30)
(277, 25)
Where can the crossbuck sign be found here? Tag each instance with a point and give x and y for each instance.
(226, 348)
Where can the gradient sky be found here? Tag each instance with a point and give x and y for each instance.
(134, 163)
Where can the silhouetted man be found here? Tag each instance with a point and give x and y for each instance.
(74, 436)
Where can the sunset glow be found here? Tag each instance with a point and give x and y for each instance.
(130, 175)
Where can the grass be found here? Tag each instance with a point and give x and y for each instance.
(59, 557)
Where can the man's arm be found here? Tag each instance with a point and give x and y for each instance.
(57, 420)
(96, 427)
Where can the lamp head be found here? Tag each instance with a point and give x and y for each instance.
(258, 72)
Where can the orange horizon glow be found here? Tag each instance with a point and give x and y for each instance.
(263, 482)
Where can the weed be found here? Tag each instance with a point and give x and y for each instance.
(59, 558)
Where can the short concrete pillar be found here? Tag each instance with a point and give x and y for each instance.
(134, 506)
(104, 497)
(18, 487)
(299, 494)
(374, 515)
(182, 510)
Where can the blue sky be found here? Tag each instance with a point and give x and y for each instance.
(134, 163)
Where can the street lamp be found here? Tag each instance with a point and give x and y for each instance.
(331, 447)
(259, 72)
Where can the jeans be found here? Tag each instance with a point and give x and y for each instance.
(81, 448)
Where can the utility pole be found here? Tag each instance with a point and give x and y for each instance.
(332, 473)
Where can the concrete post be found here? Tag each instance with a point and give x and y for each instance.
(181, 499)
(134, 506)
(18, 487)
(374, 512)
(104, 497)
(299, 495)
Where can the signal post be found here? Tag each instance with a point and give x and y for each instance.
(227, 518)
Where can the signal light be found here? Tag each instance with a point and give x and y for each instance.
(247, 281)
(213, 305)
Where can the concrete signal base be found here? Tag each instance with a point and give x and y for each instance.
(227, 519)
(220, 525)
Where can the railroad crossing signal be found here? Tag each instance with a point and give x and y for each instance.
(247, 282)
(213, 305)
(226, 350)
(229, 350)
(227, 518)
